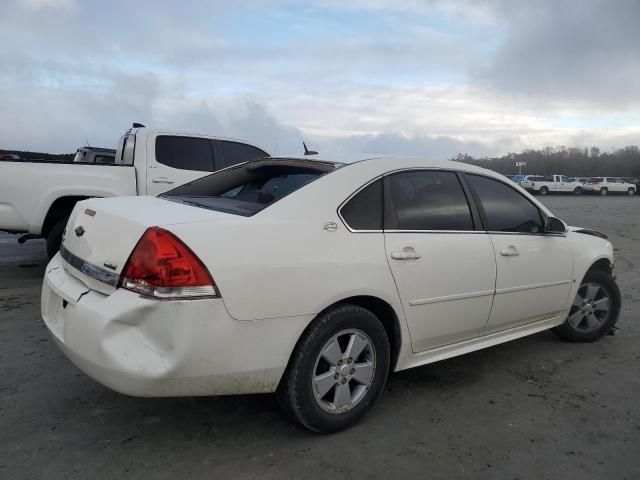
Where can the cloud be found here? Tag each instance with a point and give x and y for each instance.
(583, 51)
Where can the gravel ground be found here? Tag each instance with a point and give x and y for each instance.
(531, 409)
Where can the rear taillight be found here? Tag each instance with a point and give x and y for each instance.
(162, 266)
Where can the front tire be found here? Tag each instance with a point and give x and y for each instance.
(577, 191)
(604, 191)
(631, 191)
(54, 238)
(337, 371)
(544, 191)
(595, 309)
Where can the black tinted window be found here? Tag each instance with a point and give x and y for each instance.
(425, 200)
(364, 210)
(185, 153)
(235, 153)
(505, 209)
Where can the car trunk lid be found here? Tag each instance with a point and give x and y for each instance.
(101, 234)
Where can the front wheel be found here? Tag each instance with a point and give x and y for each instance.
(54, 238)
(604, 192)
(631, 191)
(337, 371)
(577, 191)
(594, 311)
(544, 191)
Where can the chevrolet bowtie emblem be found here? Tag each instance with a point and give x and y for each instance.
(79, 231)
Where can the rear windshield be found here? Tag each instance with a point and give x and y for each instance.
(249, 188)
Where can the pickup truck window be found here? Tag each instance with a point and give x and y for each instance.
(185, 153)
(235, 152)
(548, 178)
(250, 187)
(505, 209)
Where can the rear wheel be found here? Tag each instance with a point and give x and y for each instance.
(604, 191)
(594, 311)
(337, 371)
(54, 238)
(577, 191)
(544, 190)
(631, 191)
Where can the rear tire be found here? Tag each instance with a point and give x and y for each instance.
(544, 190)
(604, 191)
(327, 389)
(577, 191)
(595, 309)
(54, 238)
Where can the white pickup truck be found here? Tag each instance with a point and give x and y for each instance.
(36, 198)
(552, 184)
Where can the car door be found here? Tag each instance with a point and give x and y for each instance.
(444, 268)
(619, 184)
(174, 160)
(566, 184)
(534, 269)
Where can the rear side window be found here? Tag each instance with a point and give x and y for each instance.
(505, 209)
(106, 159)
(236, 152)
(185, 153)
(425, 200)
(364, 210)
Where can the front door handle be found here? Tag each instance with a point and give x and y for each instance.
(510, 251)
(407, 253)
(162, 180)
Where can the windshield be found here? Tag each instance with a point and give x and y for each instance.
(249, 188)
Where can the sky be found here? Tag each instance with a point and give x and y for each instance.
(432, 78)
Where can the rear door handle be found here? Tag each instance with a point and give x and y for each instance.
(162, 180)
(510, 251)
(407, 253)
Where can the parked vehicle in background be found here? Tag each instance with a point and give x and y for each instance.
(582, 180)
(606, 185)
(37, 197)
(517, 178)
(9, 156)
(552, 184)
(298, 283)
(95, 155)
(634, 181)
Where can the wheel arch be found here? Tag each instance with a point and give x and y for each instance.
(59, 209)
(381, 309)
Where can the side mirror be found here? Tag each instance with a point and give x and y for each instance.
(554, 225)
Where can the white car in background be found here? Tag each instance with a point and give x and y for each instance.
(607, 185)
(314, 279)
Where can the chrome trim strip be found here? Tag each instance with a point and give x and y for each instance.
(449, 298)
(89, 269)
(531, 287)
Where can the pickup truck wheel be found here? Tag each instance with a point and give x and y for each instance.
(337, 371)
(631, 191)
(594, 311)
(54, 238)
(577, 191)
(544, 190)
(604, 191)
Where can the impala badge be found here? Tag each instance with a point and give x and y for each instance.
(79, 231)
(331, 226)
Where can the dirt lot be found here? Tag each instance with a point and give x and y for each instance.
(531, 409)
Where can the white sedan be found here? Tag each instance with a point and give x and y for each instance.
(314, 279)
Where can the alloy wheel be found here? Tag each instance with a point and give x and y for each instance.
(343, 371)
(590, 309)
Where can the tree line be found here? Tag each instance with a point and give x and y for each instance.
(571, 161)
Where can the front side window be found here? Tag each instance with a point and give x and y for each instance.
(505, 209)
(364, 210)
(184, 153)
(425, 200)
